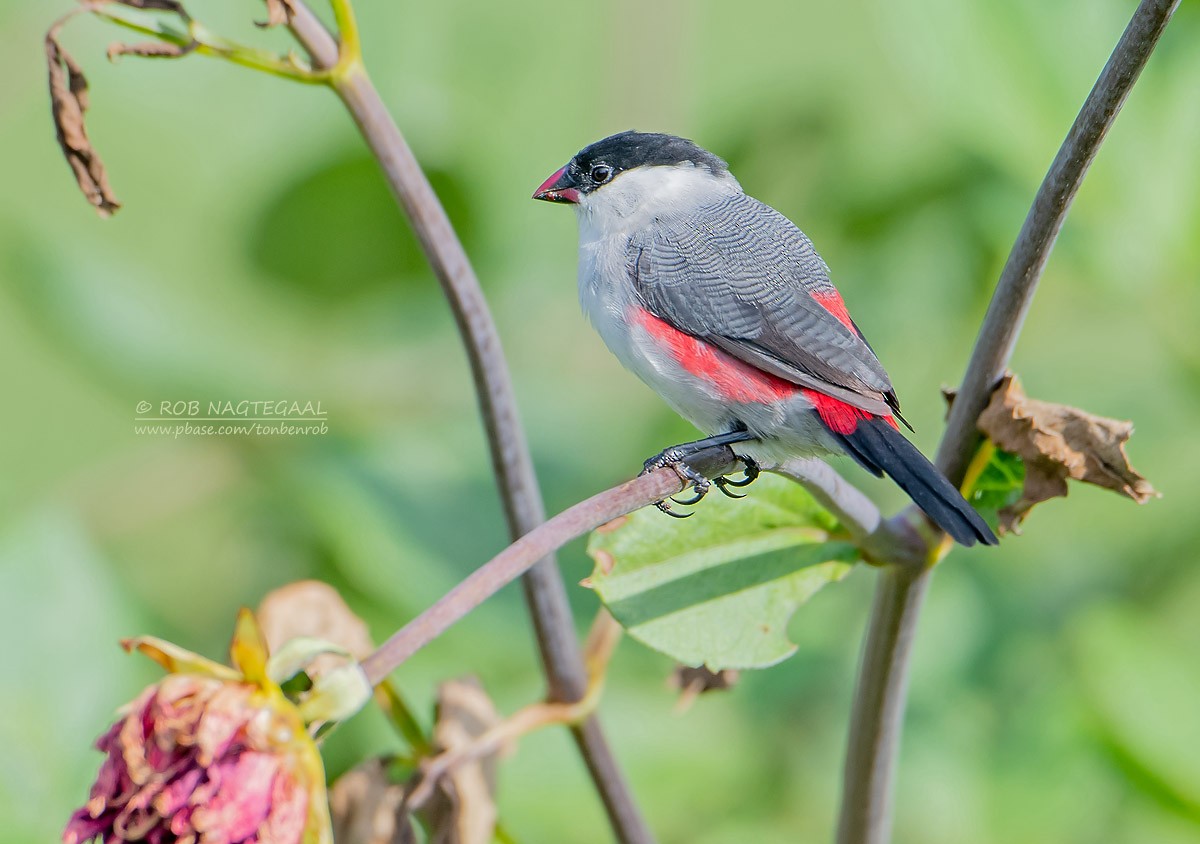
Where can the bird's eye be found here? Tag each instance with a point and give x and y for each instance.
(601, 173)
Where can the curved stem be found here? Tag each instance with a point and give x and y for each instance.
(1019, 279)
(523, 554)
(883, 675)
(511, 461)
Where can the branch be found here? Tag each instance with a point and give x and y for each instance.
(523, 554)
(601, 642)
(188, 35)
(511, 462)
(893, 542)
(883, 676)
(1023, 270)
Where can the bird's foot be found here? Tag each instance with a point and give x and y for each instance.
(674, 459)
(749, 475)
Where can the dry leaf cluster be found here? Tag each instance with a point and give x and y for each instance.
(68, 103)
(1056, 443)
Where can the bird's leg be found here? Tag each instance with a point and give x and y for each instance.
(676, 456)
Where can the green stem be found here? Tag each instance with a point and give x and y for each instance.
(349, 46)
(400, 715)
(194, 37)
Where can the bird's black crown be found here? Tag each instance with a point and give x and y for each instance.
(598, 163)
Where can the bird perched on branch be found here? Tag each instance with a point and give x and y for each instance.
(724, 308)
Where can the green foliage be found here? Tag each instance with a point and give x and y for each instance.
(335, 231)
(718, 589)
(999, 485)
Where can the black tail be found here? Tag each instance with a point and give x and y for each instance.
(881, 449)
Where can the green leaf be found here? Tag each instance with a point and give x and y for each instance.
(999, 485)
(718, 589)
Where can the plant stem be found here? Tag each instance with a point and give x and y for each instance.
(601, 642)
(545, 593)
(883, 675)
(1019, 279)
(517, 558)
(349, 47)
(192, 36)
(883, 541)
(879, 705)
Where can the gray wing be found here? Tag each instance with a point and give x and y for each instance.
(740, 275)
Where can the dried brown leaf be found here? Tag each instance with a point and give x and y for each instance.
(312, 608)
(68, 102)
(1057, 443)
(693, 682)
(463, 809)
(149, 50)
(278, 12)
(367, 807)
(160, 5)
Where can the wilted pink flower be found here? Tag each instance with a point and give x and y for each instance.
(209, 755)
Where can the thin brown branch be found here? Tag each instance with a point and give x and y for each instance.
(517, 558)
(511, 461)
(601, 642)
(493, 740)
(883, 675)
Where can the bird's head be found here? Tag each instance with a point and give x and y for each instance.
(635, 170)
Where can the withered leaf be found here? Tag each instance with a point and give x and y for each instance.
(312, 608)
(456, 805)
(693, 682)
(161, 5)
(1057, 442)
(149, 50)
(366, 807)
(463, 810)
(68, 102)
(278, 12)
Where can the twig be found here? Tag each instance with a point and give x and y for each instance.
(893, 541)
(544, 591)
(883, 676)
(189, 35)
(517, 558)
(601, 642)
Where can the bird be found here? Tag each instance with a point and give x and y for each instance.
(723, 307)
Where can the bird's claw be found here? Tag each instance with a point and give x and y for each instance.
(700, 485)
(749, 474)
(673, 458)
(724, 486)
(664, 507)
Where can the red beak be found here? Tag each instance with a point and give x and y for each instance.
(560, 187)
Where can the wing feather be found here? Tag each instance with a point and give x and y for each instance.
(740, 275)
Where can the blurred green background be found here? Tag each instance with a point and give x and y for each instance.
(1054, 696)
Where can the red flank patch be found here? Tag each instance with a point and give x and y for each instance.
(734, 379)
